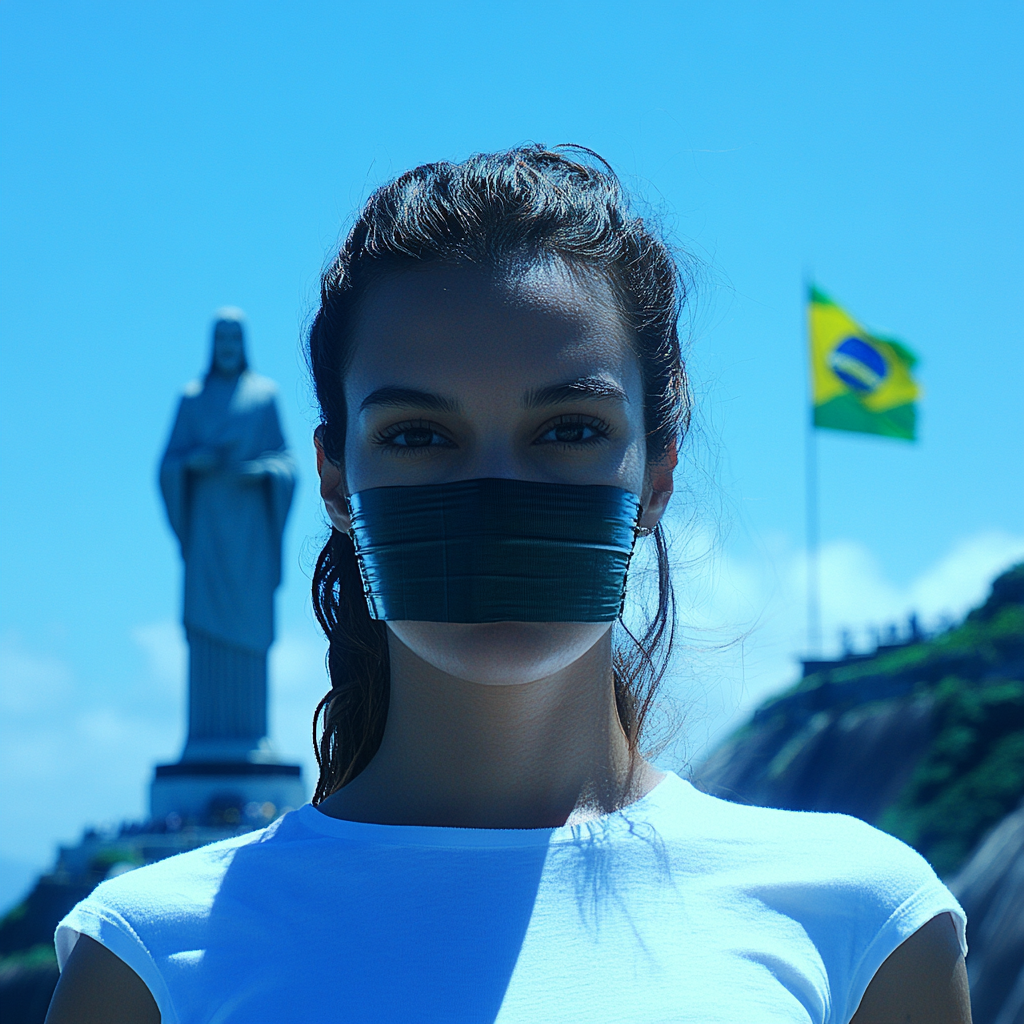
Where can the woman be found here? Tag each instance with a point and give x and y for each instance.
(501, 389)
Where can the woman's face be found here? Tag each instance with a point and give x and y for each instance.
(458, 374)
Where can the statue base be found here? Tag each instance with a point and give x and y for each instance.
(224, 793)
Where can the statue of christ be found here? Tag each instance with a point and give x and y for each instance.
(227, 480)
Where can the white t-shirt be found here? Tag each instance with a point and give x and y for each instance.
(681, 907)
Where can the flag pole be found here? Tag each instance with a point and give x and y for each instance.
(811, 497)
(813, 581)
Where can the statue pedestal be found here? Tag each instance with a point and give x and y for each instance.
(229, 773)
(224, 792)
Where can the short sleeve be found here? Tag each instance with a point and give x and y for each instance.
(893, 892)
(107, 927)
(931, 900)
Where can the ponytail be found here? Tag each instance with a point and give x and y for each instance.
(639, 664)
(356, 708)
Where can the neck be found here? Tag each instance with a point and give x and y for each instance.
(471, 755)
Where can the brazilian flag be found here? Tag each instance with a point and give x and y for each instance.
(860, 381)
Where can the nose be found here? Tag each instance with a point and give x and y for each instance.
(499, 454)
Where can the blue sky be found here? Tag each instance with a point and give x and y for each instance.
(163, 160)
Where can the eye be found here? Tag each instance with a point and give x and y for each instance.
(574, 430)
(410, 436)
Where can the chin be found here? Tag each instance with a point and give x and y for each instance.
(499, 653)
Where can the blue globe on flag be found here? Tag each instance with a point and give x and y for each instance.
(858, 364)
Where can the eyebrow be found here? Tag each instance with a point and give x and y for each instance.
(583, 389)
(409, 397)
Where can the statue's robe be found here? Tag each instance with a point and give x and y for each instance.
(230, 527)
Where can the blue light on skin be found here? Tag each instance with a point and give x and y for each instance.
(457, 374)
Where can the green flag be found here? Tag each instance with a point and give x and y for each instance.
(860, 381)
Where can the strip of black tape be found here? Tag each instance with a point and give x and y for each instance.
(494, 550)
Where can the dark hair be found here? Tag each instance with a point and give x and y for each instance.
(492, 210)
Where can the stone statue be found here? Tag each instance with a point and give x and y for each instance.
(227, 480)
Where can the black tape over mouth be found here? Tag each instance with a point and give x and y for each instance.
(494, 550)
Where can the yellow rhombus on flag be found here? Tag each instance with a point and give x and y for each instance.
(860, 381)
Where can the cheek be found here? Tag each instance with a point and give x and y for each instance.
(633, 469)
(499, 653)
(358, 474)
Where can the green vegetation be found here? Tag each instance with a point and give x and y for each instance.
(15, 914)
(107, 858)
(973, 771)
(42, 955)
(971, 775)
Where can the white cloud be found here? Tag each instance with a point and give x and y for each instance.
(960, 581)
(31, 681)
(166, 652)
(72, 754)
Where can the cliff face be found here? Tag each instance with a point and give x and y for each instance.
(991, 890)
(853, 757)
(926, 742)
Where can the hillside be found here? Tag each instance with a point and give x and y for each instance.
(925, 741)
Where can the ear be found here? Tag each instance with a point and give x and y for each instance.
(659, 487)
(332, 487)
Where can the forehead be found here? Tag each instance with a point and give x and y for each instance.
(443, 328)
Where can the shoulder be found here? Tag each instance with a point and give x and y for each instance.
(829, 841)
(832, 862)
(258, 388)
(856, 893)
(181, 888)
(157, 916)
